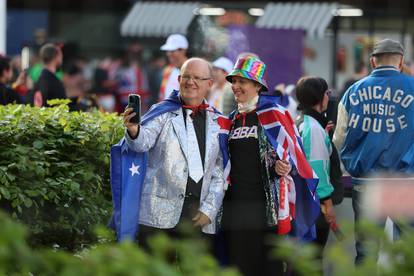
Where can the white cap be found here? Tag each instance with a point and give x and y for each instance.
(175, 42)
(289, 89)
(224, 63)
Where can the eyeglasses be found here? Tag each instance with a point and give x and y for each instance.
(328, 92)
(195, 79)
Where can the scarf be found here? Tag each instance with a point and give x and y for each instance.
(248, 106)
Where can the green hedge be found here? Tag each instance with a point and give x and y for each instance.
(17, 258)
(54, 171)
(399, 254)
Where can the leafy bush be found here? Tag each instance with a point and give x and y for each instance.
(54, 171)
(17, 258)
(399, 254)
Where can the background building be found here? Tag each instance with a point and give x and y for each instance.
(331, 47)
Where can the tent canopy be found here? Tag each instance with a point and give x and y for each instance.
(313, 18)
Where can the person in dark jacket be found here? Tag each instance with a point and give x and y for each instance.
(48, 86)
(7, 94)
(313, 96)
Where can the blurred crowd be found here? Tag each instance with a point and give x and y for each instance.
(369, 130)
(43, 73)
(106, 83)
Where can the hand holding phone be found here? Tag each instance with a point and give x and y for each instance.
(134, 101)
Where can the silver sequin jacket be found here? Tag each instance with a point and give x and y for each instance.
(165, 181)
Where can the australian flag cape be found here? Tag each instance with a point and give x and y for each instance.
(128, 170)
(282, 133)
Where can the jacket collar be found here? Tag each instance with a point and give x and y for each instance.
(385, 70)
(322, 120)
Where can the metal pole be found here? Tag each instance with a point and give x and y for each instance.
(335, 26)
(3, 26)
(404, 31)
(371, 27)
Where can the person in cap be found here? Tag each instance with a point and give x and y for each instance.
(221, 95)
(252, 209)
(375, 125)
(176, 49)
(184, 179)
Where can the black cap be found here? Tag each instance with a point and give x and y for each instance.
(388, 46)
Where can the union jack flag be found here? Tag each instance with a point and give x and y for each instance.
(225, 127)
(282, 133)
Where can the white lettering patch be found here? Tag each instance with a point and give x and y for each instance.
(244, 132)
(377, 124)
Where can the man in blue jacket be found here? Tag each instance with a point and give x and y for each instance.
(375, 125)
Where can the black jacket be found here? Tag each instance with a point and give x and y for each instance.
(8, 95)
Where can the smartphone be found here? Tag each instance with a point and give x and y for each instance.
(25, 58)
(134, 101)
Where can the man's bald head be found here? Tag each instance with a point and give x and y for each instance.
(195, 80)
(200, 62)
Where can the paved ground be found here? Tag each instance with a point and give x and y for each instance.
(345, 216)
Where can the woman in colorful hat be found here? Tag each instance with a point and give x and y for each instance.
(249, 213)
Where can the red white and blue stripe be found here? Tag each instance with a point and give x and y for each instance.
(281, 132)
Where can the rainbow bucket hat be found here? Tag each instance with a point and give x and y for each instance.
(251, 68)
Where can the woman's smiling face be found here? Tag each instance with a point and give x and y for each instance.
(244, 89)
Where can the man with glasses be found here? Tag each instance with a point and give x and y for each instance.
(184, 176)
(176, 49)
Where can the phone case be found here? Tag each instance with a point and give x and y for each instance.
(134, 101)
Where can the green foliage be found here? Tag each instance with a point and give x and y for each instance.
(54, 171)
(297, 256)
(400, 254)
(16, 258)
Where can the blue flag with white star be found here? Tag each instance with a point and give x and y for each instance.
(127, 176)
